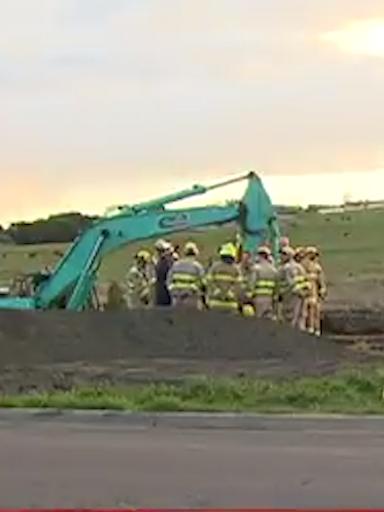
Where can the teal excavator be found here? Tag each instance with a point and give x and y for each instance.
(71, 283)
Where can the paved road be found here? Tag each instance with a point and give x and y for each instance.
(106, 463)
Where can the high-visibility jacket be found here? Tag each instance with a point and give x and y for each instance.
(316, 278)
(186, 277)
(264, 279)
(293, 280)
(139, 283)
(247, 274)
(224, 286)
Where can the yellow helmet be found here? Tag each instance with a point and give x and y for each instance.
(144, 256)
(228, 250)
(191, 249)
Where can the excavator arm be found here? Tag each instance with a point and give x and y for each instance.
(70, 284)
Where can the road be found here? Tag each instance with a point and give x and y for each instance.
(105, 463)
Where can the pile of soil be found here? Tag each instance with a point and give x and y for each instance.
(59, 350)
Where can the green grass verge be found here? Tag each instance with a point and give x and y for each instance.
(349, 393)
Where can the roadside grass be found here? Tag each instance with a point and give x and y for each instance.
(353, 392)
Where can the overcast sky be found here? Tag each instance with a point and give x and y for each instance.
(109, 101)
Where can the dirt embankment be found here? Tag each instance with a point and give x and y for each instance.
(58, 350)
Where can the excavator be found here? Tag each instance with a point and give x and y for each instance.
(71, 284)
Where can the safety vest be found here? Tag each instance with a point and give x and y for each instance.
(293, 280)
(265, 280)
(186, 275)
(182, 281)
(223, 286)
(139, 283)
(265, 288)
(316, 279)
(301, 284)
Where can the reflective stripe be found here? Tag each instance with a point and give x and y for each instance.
(300, 283)
(264, 291)
(222, 304)
(224, 278)
(265, 283)
(265, 287)
(183, 281)
(187, 278)
(183, 286)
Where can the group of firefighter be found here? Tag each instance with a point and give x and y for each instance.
(291, 291)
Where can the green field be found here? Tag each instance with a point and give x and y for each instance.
(352, 249)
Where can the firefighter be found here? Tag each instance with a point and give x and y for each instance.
(247, 271)
(294, 289)
(224, 282)
(264, 284)
(300, 254)
(164, 262)
(185, 279)
(140, 280)
(317, 290)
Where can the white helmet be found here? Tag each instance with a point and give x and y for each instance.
(162, 245)
(191, 248)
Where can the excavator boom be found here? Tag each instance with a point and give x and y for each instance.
(70, 284)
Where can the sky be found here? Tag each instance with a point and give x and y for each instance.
(106, 102)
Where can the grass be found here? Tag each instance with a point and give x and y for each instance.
(354, 392)
(351, 246)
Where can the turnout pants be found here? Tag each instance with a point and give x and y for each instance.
(186, 300)
(264, 307)
(313, 319)
(294, 311)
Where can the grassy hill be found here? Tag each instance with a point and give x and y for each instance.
(351, 243)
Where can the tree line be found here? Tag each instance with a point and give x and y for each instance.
(62, 228)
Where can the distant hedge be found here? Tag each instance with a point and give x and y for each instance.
(61, 228)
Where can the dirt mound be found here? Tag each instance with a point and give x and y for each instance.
(61, 349)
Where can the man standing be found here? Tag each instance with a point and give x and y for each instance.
(224, 282)
(294, 289)
(140, 280)
(264, 284)
(185, 279)
(317, 290)
(163, 264)
(247, 273)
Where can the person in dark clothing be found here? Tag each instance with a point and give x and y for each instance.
(163, 264)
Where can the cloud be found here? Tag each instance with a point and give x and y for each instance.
(94, 91)
(359, 38)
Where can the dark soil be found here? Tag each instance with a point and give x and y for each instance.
(58, 350)
(354, 322)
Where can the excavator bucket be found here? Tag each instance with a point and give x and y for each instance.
(259, 222)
